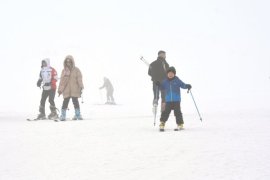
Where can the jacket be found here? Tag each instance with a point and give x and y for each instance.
(158, 70)
(71, 84)
(172, 89)
(48, 76)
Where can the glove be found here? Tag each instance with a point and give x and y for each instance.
(39, 82)
(59, 93)
(188, 86)
(157, 83)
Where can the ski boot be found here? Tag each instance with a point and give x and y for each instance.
(77, 115)
(179, 127)
(161, 126)
(42, 114)
(63, 115)
(53, 114)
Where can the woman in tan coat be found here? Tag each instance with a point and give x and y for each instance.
(70, 86)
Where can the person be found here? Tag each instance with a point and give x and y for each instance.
(71, 86)
(47, 77)
(157, 70)
(171, 86)
(109, 87)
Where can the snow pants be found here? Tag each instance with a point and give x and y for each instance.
(157, 91)
(177, 112)
(74, 100)
(45, 94)
(110, 96)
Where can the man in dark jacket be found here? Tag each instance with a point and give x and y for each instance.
(158, 72)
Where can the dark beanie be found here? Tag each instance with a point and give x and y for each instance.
(160, 52)
(171, 69)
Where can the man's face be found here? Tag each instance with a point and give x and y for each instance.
(170, 75)
(162, 55)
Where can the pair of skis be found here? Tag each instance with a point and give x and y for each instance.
(176, 129)
(55, 120)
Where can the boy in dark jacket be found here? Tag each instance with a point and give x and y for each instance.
(171, 86)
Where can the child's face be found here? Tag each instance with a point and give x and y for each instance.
(170, 75)
(44, 64)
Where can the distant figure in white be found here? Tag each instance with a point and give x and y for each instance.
(47, 79)
(71, 86)
(109, 88)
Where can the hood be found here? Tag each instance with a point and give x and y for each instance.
(72, 60)
(47, 60)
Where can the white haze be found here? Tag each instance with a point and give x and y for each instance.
(220, 47)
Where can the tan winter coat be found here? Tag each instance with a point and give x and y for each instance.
(71, 80)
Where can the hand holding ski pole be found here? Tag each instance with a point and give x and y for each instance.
(82, 95)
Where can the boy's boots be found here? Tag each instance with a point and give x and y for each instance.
(53, 114)
(42, 114)
(161, 126)
(63, 115)
(179, 127)
(77, 115)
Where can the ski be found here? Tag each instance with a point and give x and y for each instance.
(58, 120)
(37, 119)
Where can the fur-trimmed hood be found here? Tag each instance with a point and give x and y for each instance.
(70, 58)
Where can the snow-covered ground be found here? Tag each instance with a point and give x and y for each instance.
(120, 142)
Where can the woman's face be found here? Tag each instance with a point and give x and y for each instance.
(68, 62)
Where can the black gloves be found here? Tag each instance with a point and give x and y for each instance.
(188, 86)
(39, 82)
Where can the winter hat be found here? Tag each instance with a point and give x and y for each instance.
(171, 69)
(160, 52)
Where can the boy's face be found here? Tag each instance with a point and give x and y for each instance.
(170, 75)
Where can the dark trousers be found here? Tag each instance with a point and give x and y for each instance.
(45, 94)
(157, 91)
(110, 96)
(74, 100)
(177, 112)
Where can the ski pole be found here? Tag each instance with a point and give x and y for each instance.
(195, 104)
(82, 98)
(155, 105)
(82, 95)
(145, 61)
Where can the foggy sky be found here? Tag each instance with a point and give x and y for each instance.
(220, 47)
